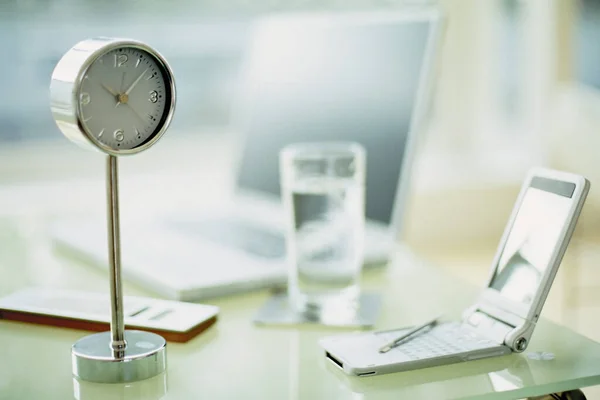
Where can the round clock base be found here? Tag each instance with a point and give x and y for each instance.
(95, 361)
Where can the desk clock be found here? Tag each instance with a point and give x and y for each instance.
(115, 96)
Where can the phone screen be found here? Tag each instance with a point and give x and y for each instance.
(532, 239)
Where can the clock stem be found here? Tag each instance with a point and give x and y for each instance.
(117, 326)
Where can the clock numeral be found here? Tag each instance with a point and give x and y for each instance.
(153, 96)
(120, 60)
(119, 135)
(101, 133)
(152, 75)
(139, 60)
(85, 99)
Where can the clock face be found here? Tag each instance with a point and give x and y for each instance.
(124, 98)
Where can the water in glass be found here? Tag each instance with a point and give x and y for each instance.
(326, 244)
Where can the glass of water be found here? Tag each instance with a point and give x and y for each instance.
(323, 191)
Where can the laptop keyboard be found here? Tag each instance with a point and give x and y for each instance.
(442, 340)
(243, 235)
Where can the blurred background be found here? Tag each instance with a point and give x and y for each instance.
(518, 85)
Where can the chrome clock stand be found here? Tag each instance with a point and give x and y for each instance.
(94, 111)
(119, 355)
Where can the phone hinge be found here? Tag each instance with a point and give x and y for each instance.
(488, 326)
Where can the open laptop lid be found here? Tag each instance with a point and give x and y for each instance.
(343, 76)
(532, 247)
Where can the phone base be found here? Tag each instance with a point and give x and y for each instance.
(95, 361)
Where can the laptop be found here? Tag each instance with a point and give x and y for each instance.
(362, 77)
(503, 319)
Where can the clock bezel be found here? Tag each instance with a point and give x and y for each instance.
(96, 48)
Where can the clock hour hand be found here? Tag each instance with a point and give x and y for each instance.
(110, 90)
(116, 95)
(130, 88)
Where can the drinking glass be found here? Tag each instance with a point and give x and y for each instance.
(323, 191)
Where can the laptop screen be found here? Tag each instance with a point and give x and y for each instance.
(532, 239)
(333, 80)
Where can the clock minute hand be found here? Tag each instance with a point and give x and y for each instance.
(130, 88)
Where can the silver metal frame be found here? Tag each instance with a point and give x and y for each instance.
(117, 320)
(66, 83)
(119, 355)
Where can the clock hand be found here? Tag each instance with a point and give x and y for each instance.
(109, 90)
(122, 82)
(135, 82)
(137, 113)
(112, 91)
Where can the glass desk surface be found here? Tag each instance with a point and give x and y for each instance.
(236, 359)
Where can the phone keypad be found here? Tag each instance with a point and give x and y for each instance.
(439, 341)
